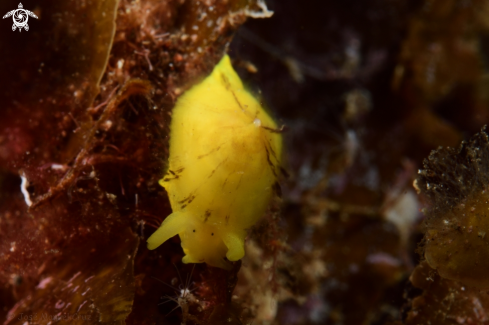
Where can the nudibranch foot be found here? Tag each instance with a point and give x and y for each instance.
(215, 261)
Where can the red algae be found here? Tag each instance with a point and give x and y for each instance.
(78, 292)
(81, 153)
(56, 69)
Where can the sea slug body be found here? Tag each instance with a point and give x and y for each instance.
(225, 157)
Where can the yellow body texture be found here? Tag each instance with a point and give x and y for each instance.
(223, 167)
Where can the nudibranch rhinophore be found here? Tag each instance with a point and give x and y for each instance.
(224, 166)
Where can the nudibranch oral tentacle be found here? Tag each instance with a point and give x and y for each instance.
(225, 157)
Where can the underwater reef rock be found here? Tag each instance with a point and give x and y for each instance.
(444, 301)
(456, 182)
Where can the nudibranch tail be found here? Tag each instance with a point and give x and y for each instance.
(172, 225)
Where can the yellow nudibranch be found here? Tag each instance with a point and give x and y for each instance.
(225, 156)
